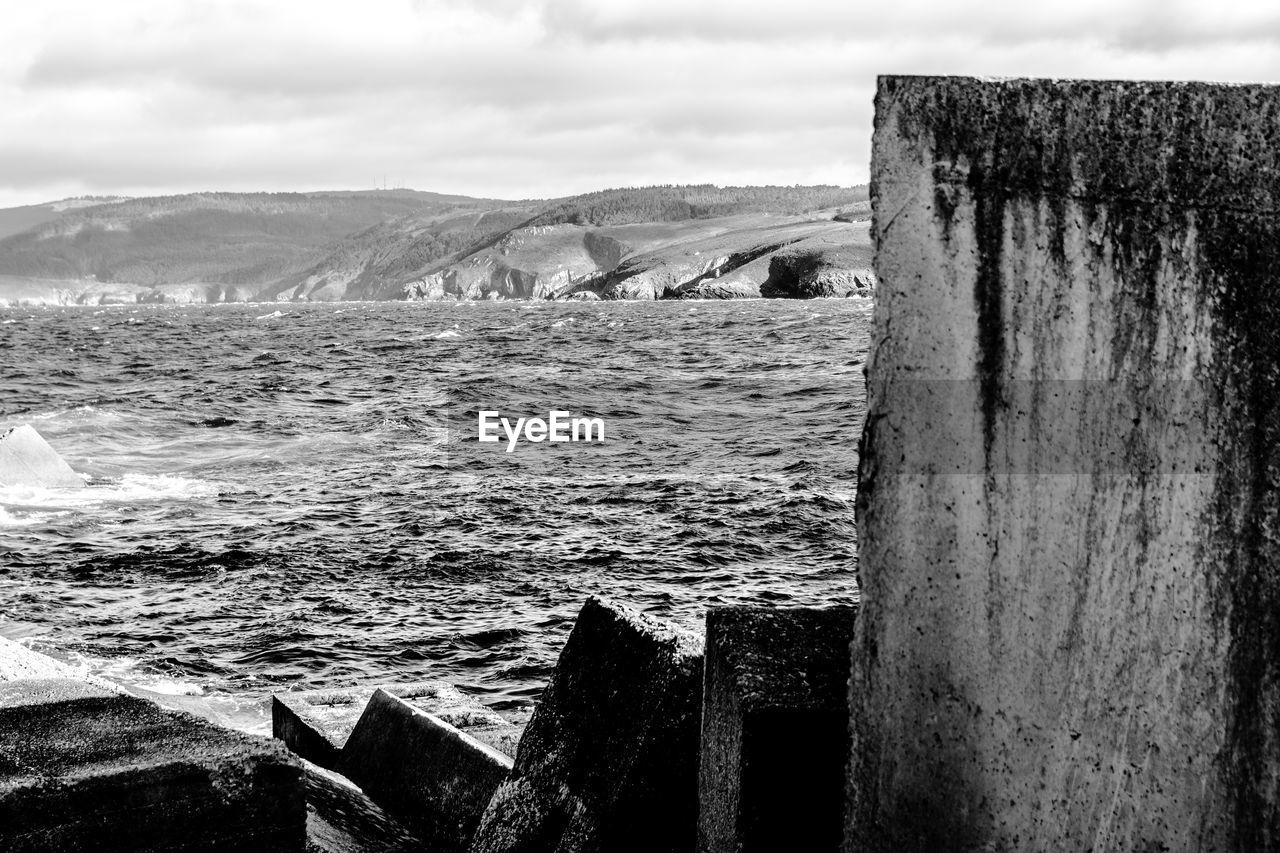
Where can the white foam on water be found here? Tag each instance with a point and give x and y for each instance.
(448, 333)
(140, 487)
(25, 505)
(247, 713)
(85, 412)
(27, 519)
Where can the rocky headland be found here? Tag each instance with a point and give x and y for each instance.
(697, 242)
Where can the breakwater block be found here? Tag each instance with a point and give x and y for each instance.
(341, 819)
(434, 777)
(18, 662)
(86, 771)
(775, 729)
(26, 459)
(1069, 500)
(609, 760)
(315, 724)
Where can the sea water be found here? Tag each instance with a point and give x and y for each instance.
(292, 496)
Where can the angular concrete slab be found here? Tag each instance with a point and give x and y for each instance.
(17, 662)
(26, 459)
(609, 760)
(1068, 502)
(41, 691)
(775, 729)
(116, 773)
(315, 724)
(341, 819)
(432, 776)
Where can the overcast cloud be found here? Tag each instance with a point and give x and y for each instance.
(532, 98)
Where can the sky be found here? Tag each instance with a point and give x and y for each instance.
(533, 98)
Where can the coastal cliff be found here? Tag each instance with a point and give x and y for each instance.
(647, 243)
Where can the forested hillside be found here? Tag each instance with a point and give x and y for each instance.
(670, 203)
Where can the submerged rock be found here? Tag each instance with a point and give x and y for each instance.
(26, 459)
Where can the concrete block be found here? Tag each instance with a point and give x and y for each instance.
(775, 729)
(42, 691)
(1068, 507)
(609, 760)
(26, 459)
(315, 724)
(341, 819)
(116, 773)
(432, 776)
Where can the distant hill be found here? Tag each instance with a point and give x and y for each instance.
(224, 238)
(375, 263)
(14, 220)
(700, 201)
(657, 242)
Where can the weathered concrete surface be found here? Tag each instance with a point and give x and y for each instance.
(19, 662)
(1070, 634)
(775, 729)
(26, 459)
(609, 761)
(434, 777)
(39, 691)
(341, 819)
(316, 723)
(31, 678)
(86, 770)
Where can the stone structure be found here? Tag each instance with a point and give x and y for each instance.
(26, 459)
(19, 663)
(609, 760)
(1070, 634)
(430, 775)
(315, 724)
(85, 768)
(775, 729)
(341, 819)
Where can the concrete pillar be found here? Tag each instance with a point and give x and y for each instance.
(1069, 550)
(609, 761)
(775, 729)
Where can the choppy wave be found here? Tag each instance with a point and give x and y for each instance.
(276, 505)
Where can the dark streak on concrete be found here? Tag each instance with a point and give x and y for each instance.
(1112, 148)
(988, 297)
(1244, 256)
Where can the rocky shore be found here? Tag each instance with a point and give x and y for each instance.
(609, 760)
